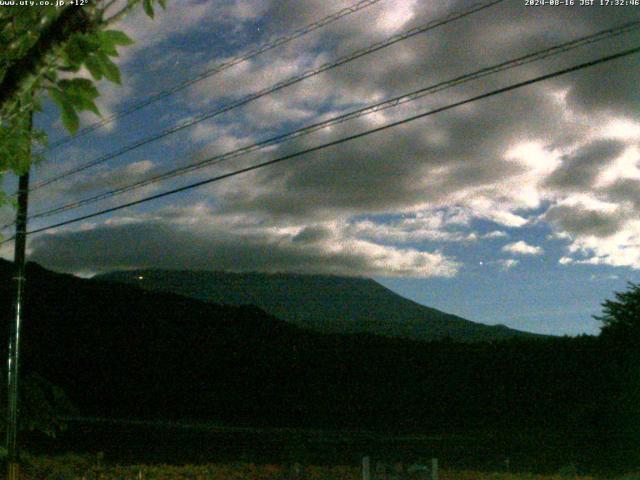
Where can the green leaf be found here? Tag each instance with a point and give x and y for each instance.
(91, 106)
(147, 5)
(75, 55)
(58, 96)
(79, 86)
(69, 116)
(116, 37)
(51, 75)
(110, 69)
(70, 119)
(67, 64)
(81, 93)
(69, 69)
(95, 67)
(107, 46)
(30, 83)
(75, 84)
(163, 4)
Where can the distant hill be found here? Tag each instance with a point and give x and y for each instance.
(121, 351)
(327, 304)
(118, 350)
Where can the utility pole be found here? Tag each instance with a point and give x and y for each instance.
(14, 328)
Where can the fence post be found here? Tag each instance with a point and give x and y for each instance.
(434, 469)
(366, 468)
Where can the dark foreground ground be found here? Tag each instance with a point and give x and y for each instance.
(163, 443)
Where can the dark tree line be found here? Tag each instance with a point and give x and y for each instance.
(122, 352)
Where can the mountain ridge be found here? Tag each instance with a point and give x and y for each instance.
(323, 303)
(119, 351)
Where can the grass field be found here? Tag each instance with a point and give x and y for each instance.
(75, 467)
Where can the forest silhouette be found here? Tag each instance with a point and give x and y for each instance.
(121, 352)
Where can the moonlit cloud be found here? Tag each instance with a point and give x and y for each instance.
(496, 234)
(563, 155)
(197, 238)
(522, 248)
(508, 264)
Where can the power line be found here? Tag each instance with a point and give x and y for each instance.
(380, 106)
(300, 153)
(265, 47)
(272, 89)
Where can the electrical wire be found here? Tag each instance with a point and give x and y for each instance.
(272, 89)
(323, 146)
(265, 47)
(380, 106)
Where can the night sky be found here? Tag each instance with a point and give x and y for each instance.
(521, 209)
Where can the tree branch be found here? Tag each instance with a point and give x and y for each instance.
(72, 20)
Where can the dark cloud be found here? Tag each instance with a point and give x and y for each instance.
(578, 221)
(394, 170)
(579, 171)
(112, 178)
(312, 235)
(625, 190)
(455, 159)
(156, 244)
(611, 87)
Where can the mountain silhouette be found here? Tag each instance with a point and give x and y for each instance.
(323, 303)
(120, 351)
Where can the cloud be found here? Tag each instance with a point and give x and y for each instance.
(522, 248)
(564, 153)
(106, 179)
(508, 264)
(578, 220)
(620, 249)
(566, 260)
(496, 234)
(580, 170)
(194, 238)
(156, 49)
(444, 225)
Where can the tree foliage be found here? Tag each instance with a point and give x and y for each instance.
(47, 50)
(621, 316)
(44, 52)
(43, 406)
